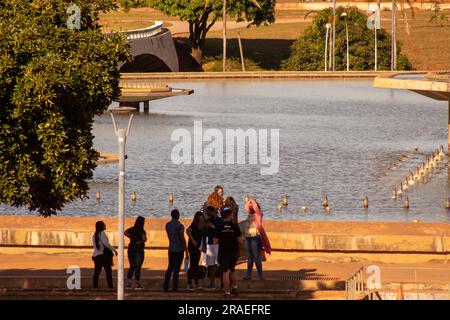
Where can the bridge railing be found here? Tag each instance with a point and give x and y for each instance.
(145, 32)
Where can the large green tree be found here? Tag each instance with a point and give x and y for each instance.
(202, 14)
(307, 53)
(53, 81)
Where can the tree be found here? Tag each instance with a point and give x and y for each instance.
(307, 53)
(53, 81)
(202, 14)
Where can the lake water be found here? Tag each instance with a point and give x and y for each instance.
(343, 138)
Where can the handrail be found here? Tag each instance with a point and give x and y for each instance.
(355, 284)
(145, 32)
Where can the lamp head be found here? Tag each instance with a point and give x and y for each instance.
(344, 14)
(121, 110)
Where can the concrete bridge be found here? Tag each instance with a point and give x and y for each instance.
(152, 49)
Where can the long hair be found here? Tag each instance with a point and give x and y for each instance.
(139, 224)
(99, 227)
(214, 199)
(231, 203)
(196, 221)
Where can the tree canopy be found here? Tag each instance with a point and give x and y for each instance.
(307, 53)
(53, 81)
(202, 14)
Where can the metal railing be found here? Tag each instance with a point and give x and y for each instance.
(144, 33)
(355, 284)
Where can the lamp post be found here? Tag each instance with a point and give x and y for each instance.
(334, 33)
(327, 26)
(344, 15)
(376, 25)
(122, 135)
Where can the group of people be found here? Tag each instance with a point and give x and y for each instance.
(214, 233)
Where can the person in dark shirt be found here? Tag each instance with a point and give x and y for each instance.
(197, 240)
(136, 252)
(177, 247)
(212, 249)
(227, 236)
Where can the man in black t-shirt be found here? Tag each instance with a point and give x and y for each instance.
(227, 236)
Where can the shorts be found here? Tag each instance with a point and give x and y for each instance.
(212, 253)
(227, 262)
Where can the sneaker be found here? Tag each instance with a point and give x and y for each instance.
(139, 287)
(128, 284)
(190, 287)
(234, 289)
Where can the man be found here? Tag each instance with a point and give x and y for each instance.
(227, 236)
(212, 249)
(177, 247)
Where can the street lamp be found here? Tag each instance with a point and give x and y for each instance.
(344, 15)
(375, 24)
(334, 32)
(122, 135)
(327, 26)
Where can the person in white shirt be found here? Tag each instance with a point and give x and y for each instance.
(103, 254)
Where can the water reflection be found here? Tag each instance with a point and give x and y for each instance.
(342, 138)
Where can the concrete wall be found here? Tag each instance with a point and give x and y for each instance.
(352, 237)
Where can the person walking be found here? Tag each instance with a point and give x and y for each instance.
(256, 238)
(136, 252)
(103, 254)
(227, 236)
(197, 240)
(177, 247)
(212, 249)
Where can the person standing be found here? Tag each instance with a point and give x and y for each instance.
(234, 207)
(197, 240)
(256, 238)
(103, 254)
(177, 247)
(136, 252)
(228, 236)
(212, 249)
(215, 199)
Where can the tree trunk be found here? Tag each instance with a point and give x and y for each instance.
(197, 54)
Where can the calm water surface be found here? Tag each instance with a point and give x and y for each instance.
(342, 138)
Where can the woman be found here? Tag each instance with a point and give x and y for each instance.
(197, 240)
(103, 254)
(216, 199)
(136, 252)
(234, 207)
(256, 238)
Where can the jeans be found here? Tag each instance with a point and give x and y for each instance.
(253, 248)
(175, 261)
(136, 259)
(193, 271)
(100, 262)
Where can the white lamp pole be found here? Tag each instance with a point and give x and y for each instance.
(327, 26)
(344, 15)
(334, 33)
(122, 135)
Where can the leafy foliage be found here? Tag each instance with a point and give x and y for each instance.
(202, 14)
(53, 81)
(308, 52)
